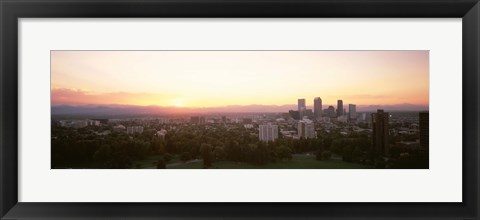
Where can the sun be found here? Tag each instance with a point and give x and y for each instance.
(178, 102)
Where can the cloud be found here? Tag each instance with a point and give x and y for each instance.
(64, 96)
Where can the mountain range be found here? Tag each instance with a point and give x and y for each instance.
(118, 110)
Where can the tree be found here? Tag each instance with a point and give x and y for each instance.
(219, 153)
(167, 157)
(284, 152)
(326, 155)
(102, 154)
(323, 155)
(318, 155)
(185, 156)
(206, 151)
(161, 164)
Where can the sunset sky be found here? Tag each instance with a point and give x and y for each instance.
(221, 78)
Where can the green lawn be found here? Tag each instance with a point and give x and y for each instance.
(297, 162)
(151, 161)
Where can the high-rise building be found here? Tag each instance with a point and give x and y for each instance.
(267, 132)
(339, 107)
(331, 112)
(424, 124)
(317, 107)
(380, 132)
(306, 129)
(308, 113)
(134, 129)
(161, 134)
(352, 112)
(301, 108)
(294, 114)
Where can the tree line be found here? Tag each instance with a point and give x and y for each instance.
(82, 148)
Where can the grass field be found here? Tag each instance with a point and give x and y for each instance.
(297, 162)
(151, 162)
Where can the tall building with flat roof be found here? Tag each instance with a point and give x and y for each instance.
(380, 132)
(306, 129)
(301, 108)
(424, 132)
(352, 112)
(294, 114)
(331, 112)
(267, 132)
(339, 107)
(317, 107)
(134, 129)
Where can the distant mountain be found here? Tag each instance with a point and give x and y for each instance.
(398, 107)
(120, 110)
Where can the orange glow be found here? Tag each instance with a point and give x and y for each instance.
(221, 78)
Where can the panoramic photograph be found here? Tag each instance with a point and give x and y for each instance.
(240, 109)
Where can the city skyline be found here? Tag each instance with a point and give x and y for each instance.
(196, 79)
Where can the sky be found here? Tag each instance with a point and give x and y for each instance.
(223, 78)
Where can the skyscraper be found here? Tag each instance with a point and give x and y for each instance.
(331, 111)
(306, 129)
(352, 112)
(267, 132)
(301, 108)
(294, 114)
(380, 132)
(339, 108)
(424, 124)
(317, 107)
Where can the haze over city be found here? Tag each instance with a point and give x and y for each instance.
(240, 79)
(240, 109)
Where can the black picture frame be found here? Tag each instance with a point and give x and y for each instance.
(12, 10)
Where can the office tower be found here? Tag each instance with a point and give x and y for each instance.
(424, 123)
(380, 132)
(331, 112)
(339, 107)
(134, 129)
(267, 132)
(309, 113)
(294, 114)
(317, 107)
(301, 108)
(306, 129)
(352, 112)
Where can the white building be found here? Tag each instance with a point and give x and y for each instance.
(134, 129)
(163, 120)
(118, 128)
(161, 134)
(306, 129)
(342, 118)
(268, 132)
(79, 123)
(248, 126)
(93, 122)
